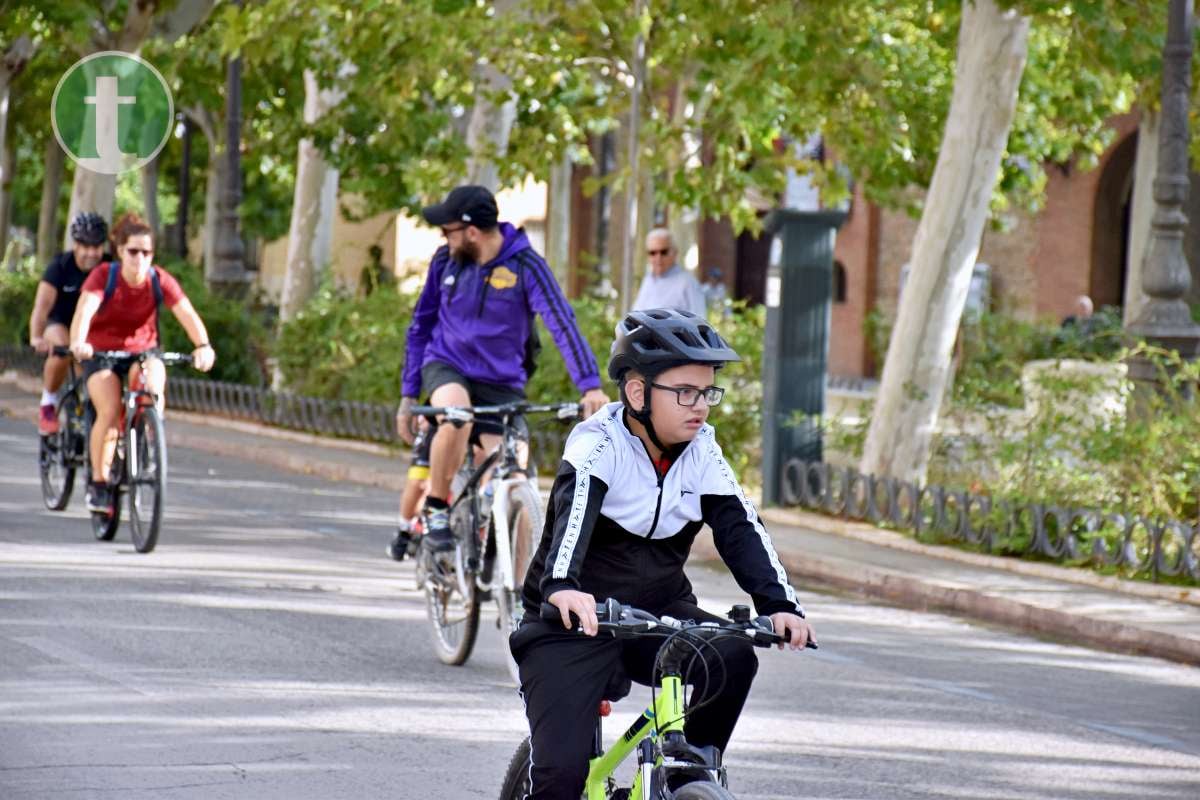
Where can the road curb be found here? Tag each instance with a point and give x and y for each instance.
(870, 534)
(927, 595)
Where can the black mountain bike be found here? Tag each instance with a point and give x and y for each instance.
(496, 517)
(663, 752)
(62, 453)
(139, 467)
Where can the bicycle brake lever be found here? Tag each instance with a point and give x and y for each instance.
(458, 415)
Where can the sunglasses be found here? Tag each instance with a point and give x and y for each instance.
(137, 251)
(658, 252)
(448, 231)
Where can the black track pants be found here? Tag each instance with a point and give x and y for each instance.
(563, 679)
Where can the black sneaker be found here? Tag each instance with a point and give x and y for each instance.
(400, 545)
(99, 498)
(437, 538)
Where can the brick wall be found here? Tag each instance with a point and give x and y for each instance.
(854, 250)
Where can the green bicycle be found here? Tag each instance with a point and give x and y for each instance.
(657, 735)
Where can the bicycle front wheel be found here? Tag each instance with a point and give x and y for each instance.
(147, 449)
(702, 791)
(56, 459)
(104, 526)
(525, 522)
(516, 779)
(451, 596)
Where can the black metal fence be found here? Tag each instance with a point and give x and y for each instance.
(373, 422)
(1143, 546)
(1155, 548)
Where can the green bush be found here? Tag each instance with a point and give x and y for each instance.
(235, 327)
(17, 290)
(346, 347)
(350, 347)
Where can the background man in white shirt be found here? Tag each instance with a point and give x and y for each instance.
(667, 284)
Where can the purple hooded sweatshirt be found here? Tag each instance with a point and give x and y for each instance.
(477, 318)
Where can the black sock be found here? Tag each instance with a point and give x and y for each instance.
(436, 503)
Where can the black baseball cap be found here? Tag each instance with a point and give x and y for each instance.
(474, 205)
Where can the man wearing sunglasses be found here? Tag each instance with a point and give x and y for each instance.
(636, 484)
(667, 284)
(472, 339)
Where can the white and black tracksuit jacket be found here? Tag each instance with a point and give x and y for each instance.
(615, 528)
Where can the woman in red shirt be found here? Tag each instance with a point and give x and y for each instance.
(128, 320)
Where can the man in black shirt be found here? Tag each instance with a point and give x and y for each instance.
(54, 306)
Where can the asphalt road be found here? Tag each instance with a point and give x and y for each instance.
(267, 649)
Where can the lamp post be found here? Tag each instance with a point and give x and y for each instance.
(1166, 319)
(230, 277)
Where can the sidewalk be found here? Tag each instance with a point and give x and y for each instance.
(1068, 604)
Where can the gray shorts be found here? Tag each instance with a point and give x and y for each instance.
(436, 374)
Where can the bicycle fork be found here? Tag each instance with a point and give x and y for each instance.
(499, 514)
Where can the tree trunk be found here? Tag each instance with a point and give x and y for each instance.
(7, 163)
(310, 235)
(631, 243)
(185, 191)
(1142, 211)
(12, 63)
(558, 219)
(90, 191)
(992, 45)
(490, 126)
(149, 176)
(214, 182)
(51, 188)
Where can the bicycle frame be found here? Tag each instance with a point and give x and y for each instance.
(668, 706)
(503, 481)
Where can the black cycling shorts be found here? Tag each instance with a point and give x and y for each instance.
(436, 374)
(120, 367)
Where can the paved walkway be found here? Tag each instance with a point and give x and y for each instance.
(1069, 604)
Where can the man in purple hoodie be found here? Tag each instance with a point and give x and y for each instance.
(470, 336)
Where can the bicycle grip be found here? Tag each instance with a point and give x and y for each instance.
(550, 613)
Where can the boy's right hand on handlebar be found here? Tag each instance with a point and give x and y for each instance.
(581, 604)
(82, 350)
(40, 344)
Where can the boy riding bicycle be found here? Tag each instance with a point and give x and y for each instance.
(637, 482)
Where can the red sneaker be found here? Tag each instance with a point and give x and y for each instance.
(47, 421)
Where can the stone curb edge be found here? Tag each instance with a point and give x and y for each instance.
(925, 595)
(870, 534)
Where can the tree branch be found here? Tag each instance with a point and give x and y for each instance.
(183, 19)
(18, 55)
(138, 19)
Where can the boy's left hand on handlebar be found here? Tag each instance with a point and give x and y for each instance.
(793, 628)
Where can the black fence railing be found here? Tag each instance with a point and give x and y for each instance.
(349, 419)
(1153, 548)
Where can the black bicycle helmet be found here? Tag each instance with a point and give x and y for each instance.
(89, 228)
(658, 339)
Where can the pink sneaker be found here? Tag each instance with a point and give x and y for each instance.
(47, 421)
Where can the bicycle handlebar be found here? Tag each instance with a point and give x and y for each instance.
(563, 411)
(627, 621)
(121, 355)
